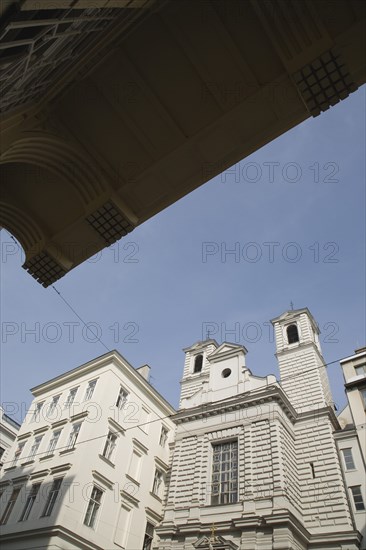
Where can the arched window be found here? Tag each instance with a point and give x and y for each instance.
(292, 334)
(198, 363)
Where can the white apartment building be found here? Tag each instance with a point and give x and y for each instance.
(8, 433)
(89, 466)
(351, 439)
(255, 464)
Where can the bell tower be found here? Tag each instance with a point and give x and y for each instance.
(196, 371)
(302, 367)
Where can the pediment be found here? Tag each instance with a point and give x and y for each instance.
(226, 349)
(214, 543)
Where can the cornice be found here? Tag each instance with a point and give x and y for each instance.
(129, 498)
(61, 468)
(267, 394)
(153, 515)
(139, 446)
(24, 436)
(114, 424)
(161, 464)
(102, 479)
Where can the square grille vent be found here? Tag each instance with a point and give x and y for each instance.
(44, 269)
(109, 222)
(324, 82)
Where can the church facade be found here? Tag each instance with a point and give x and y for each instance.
(255, 465)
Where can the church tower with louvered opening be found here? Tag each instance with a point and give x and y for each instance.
(302, 367)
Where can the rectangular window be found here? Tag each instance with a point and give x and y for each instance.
(90, 390)
(2, 451)
(29, 502)
(348, 459)
(93, 507)
(9, 507)
(357, 498)
(74, 434)
(52, 406)
(70, 398)
(224, 489)
(35, 446)
(52, 496)
(363, 396)
(53, 441)
(18, 452)
(361, 369)
(158, 479)
(122, 398)
(163, 436)
(110, 445)
(37, 412)
(149, 535)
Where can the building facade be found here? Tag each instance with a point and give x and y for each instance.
(255, 464)
(90, 462)
(8, 433)
(103, 462)
(351, 439)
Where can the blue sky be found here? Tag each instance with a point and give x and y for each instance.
(293, 212)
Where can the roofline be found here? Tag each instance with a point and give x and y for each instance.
(352, 357)
(203, 342)
(296, 312)
(98, 362)
(11, 421)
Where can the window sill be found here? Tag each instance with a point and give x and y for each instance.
(28, 462)
(156, 496)
(67, 451)
(10, 468)
(51, 455)
(105, 459)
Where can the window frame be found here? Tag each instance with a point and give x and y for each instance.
(198, 369)
(35, 446)
(53, 404)
(295, 325)
(87, 397)
(358, 367)
(71, 442)
(71, 397)
(348, 459)
(158, 482)
(164, 433)
(37, 411)
(110, 445)
(30, 500)
(19, 451)
(93, 508)
(52, 497)
(356, 496)
(51, 448)
(10, 505)
(229, 496)
(148, 538)
(363, 397)
(119, 400)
